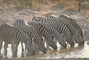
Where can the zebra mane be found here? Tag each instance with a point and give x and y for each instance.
(1, 27)
(44, 27)
(36, 31)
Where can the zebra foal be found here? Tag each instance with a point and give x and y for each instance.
(13, 35)
(28, 29)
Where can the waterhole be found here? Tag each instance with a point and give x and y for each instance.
(69, 52)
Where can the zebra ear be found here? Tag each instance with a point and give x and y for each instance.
(15, 19)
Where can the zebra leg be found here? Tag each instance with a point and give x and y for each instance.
(0, 47)
(55, 40)
(5, 49)
(22, 49)
(46, 44)
(35, 47)
(13, 47)
(17, 44)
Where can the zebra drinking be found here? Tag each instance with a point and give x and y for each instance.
(56, 34)
(13, 35)
(74, 24)
(45, 33)
(61, 27)
(29, 30)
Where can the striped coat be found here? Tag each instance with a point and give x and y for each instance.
(44, 33)
(29, 30)
(60, 26)
(12, 35)
(74, 24)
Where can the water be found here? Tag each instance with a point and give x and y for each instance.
(70, 52)
(73, 52)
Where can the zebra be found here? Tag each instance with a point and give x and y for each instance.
(76, 35)
(60, 26)
(29, 30)
(70, 23)
(55, 33)
(44, 33)
(74, 24)
(13, 35)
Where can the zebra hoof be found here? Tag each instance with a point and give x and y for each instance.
(82, 43)
(55, 48)
(72, 45)
(65, 46)
(33, 52)
(45, 52)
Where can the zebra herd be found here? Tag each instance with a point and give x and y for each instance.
(34, 34)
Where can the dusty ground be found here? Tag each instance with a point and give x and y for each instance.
(82, 18)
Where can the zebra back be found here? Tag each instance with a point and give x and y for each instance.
(60, 26)
(56, 34)
(28, 29)
(73, 23)
(45, 33)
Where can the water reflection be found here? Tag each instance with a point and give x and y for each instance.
(73, 52)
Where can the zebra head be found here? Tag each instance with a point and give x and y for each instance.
(62, 41)
(69, 39)
(78, 38)
(51, 42)
(29, 47)
(41, 45)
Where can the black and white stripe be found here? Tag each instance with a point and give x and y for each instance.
(56, 34)
(60, 26)
(74, 27)
(13, 35)
(44, 33)
(29, 30)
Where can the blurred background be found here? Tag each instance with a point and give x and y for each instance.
(43, 4)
